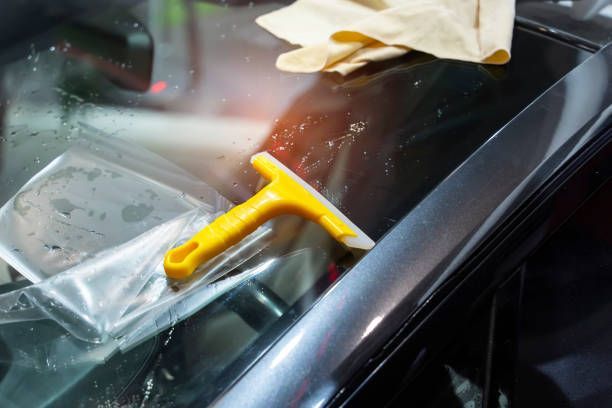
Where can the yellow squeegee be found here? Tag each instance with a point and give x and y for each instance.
(285, 194)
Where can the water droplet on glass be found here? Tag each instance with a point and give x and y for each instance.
(357, 127)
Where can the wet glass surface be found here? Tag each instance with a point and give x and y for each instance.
(195, 82)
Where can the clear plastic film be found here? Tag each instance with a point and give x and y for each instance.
(106, 281)
(101, 193)
(102, 297)
(43, 350)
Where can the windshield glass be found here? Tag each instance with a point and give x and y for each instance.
(195, 82)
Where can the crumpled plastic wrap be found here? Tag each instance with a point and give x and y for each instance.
(99, 194)
(91, 230)
(104, 296)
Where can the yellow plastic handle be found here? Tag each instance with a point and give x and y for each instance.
(222, 233)
(285, 194)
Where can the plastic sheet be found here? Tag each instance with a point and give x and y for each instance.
(103, 296)
(42, 351)
(110, 286)
(99, 194)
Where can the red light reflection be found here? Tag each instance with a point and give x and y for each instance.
(158, 86)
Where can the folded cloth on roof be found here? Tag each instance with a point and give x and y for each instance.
(344, 35)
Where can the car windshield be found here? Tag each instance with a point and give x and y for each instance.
(195, 82)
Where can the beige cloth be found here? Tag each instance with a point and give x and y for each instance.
(344, 35)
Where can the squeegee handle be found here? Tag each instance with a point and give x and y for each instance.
(225, 231)
(285, 194)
